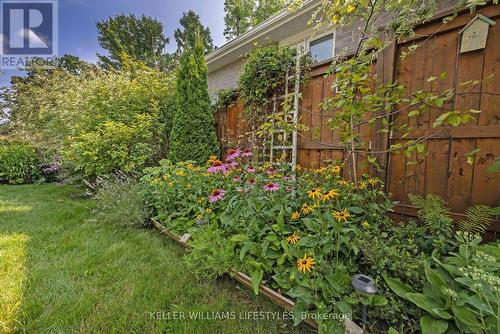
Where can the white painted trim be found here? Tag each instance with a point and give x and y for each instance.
(318, 36)
(270, 24)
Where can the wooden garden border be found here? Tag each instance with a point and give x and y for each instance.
(278, 299)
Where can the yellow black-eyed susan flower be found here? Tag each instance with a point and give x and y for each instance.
(373, 182)
(341, 215)
(336, 169)
(326, 196)
(295, 215)
(305, 264)
(306, 209)
(293, 239)
(314, 193)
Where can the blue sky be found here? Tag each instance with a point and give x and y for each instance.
(77, 18)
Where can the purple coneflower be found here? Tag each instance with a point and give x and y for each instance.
(271, 187)
(270, 171)
(233, 154)
(246, 153)
(236, 179)
(251, 170)
(287, 178)
(231, 164)
(251, 181)
(217, 167)
(217, 194)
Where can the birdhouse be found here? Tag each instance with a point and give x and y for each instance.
(475, 33)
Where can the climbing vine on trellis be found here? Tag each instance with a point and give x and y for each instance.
(264, 77)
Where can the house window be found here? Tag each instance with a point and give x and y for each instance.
(322, 48)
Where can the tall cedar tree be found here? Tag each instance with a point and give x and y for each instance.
(192, 26)
(193, 135)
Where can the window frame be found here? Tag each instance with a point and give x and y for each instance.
(314, 38)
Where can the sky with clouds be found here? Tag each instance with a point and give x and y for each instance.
(77, 19)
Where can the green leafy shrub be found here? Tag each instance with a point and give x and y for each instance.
(18, 162)
(462, 294)
(211, 255)
(95, 122)
(193, 135)
(118, 201)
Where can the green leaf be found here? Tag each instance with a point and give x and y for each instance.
(495, 167)
(466, 318)
(239, 238)
(246, 247)
(428, 305)
(392, 331)
(355, 209)
(431, 325)
(398, 287)
(434, 278)
(413, 113)
(256, 279)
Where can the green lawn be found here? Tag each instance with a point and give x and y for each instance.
(61, 272)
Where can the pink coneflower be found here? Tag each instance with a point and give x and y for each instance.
(236, 179)
(233, 154)
(270, 171)
(271, 187)
(251, 170)
(217, 194)
(246, 153)
(231, 164)
(287, 178)
(217, 167)
(251, 181)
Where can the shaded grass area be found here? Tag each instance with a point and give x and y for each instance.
(63, 273)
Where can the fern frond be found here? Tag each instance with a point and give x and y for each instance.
(432, 211)
(477, 219)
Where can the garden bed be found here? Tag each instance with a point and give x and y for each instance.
(276, 297)
(306, 234)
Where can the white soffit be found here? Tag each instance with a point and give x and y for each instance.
(274, 29)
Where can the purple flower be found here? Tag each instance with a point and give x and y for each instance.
(217, 167)
(233, 154)
(271, 187)
(236, 179)
(251, 181)
(231, 164)
(270, 171)
(251, 170)
(246, 153)
(217, 194)
(287, 178)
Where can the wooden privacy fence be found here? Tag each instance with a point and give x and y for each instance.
(444, 170)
